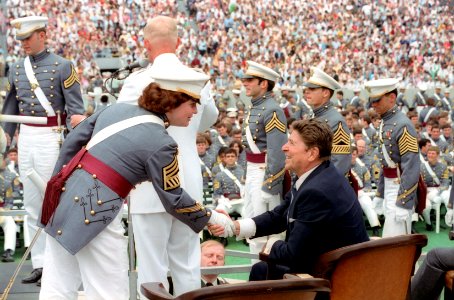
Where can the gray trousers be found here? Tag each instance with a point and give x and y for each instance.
(429, 280)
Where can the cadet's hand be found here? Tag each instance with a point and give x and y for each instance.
(76, 119)
(221, 219)
(266, 197)
(449, 217)
(402, 214)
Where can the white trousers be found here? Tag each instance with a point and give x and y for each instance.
(9, 229)
(435, 198)
(164, 243)
(101, 266)
(392, 227)
(38, 150)
(366, 204)
(253, 203)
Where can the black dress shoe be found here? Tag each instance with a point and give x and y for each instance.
(34, 276)
(8, 256)
(39, 282)
(429, 227)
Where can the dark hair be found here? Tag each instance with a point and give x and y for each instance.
(160, 101)
(315, 133)
(237, 143)
(222, 150)
(230, 150)
(422, 142)
(270, 85)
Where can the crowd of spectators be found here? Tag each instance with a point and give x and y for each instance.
(356, 40)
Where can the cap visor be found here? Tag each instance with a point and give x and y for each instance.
(245, 76)
(311, 85)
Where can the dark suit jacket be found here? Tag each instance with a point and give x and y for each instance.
(324, 215)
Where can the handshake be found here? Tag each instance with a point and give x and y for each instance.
(220, 224)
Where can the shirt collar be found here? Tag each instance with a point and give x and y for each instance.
(303, 177)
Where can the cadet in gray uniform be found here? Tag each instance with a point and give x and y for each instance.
(320, 88)
(399, 156)
(206, 160)
(436, 176)
(229, 183)
(9, 187)
(126, 145)
(41, 85)
(264, 134)
(362, 175)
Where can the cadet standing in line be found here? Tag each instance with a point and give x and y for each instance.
(264, 134)
(399, 156)
(320, 88)
(41, 85)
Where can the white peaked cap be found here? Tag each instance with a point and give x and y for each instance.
(319, 79)
(180, 78)
(378, 88)
(257, 70)
(27, 25)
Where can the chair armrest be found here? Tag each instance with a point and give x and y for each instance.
(155, 290)
(449, 278)
(298, 275)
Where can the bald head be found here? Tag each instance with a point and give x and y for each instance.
(161, 36)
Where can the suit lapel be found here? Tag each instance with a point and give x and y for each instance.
(306, 182)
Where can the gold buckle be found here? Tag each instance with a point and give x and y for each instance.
(34, 86)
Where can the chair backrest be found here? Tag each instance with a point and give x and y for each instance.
(295, 289)
(377, 269)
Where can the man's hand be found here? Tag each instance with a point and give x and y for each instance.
(220, 224)
(76, 119)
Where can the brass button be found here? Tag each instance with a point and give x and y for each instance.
(87, 221)
(59, 232)
(34, 67)
(51, 87)
(33, 104)
(209, 213)
(63, 189)
(33, 112)
(99, 202)
(53, 71)
(94, 176)
(76, 199)
(17, 73)
(51, 95)
(79, 166)
(17, 66)
(21, 110)
(51, 79)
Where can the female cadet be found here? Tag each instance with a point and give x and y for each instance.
(126, 145)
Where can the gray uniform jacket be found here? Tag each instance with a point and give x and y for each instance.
(441, 171)
(362, 172)
(341, 153)
(224, 185)
(58, 80)
(9, 188)
(399, 138)
(268, 127)
(208, 162)
(139, 153)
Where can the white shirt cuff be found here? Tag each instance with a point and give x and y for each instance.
(247, 228)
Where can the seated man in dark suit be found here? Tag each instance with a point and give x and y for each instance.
(212, 255)
(321, 213)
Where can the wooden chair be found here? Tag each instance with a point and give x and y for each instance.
(377, 269)
(295, 289)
